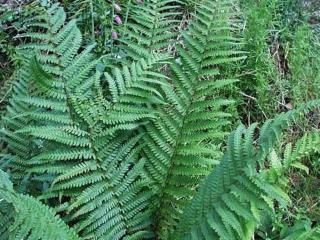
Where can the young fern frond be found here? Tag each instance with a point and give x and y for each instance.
(309, 144)
(271, 133)
(32, 219)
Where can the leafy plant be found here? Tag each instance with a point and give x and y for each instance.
(130, 145)
(231, 201)
(28, 212)
(262, 84)
(304, 65)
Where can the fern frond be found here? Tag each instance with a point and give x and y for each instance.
(301, 230)
(182, 145)
(28, 106)
(32, 219)
(150, 27)
(230, 201)
(114, 204)
(307, 145)
(93, 170)
(270, 133)
(135, 91)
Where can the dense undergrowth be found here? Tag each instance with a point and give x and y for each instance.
(159, 119)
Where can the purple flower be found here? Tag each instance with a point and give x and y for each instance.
(117, 8)
(118, 20)
(114, 35)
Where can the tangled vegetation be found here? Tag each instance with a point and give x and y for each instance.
(159, 119)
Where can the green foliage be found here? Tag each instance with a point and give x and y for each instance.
(64, 140)
(129, 145)
(32, 219)
(305, 65)
(93, 17)
(150, 28)
(232, 199)
(12, 19)
(280, 66)
(292, 12)
(188, 133)
(260, 76)
(301, 230)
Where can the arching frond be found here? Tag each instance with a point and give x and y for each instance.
(43, 96)
(32, 219)
(232, 199)
(182, 146)
(301, 230)
(94, 171)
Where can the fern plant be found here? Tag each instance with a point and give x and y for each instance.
(287, 224)
(53, 50)
(70, 131)
(230, 202)
(183, 146)
(28, 212)
(301, 230)
(134, 152)
(150, 28)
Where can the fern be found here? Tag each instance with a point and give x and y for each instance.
(182, 146)
(301, 230)
(32, 219)
(158, 135)
(306, 146)
(150, 28)
(134, 152)
(228, 202)
(6, 218)
(21, 104)
(78, 148)
(231, 200)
